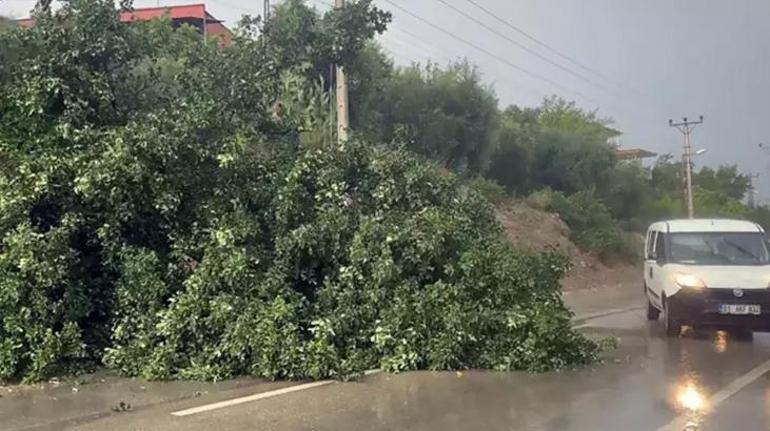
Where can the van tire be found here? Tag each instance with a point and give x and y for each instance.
(652, 312)
(670, 321)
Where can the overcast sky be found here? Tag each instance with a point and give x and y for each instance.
(657, 59)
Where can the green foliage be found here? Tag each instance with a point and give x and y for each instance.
(491, 190)
(176, 210)
(556, 145)
(446, 114)
(516, 139)
(628, 195)
(761, 215)
(716, 193)
(725, 179)
(299, 36)
(591, 224)
(712, 203)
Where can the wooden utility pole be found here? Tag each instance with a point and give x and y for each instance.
(342, 95)
(686, 128)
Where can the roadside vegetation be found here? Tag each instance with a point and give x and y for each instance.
(175, 209)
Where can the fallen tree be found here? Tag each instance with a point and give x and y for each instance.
(160, 216)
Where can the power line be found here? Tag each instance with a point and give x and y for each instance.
(403, 47)
(555, 51)
(537, 41)
(484, 51)
(427, 49)
(520, 45)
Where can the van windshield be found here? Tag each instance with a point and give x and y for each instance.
(719, 248)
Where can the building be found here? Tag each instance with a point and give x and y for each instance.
(191, 14)
(633, 154)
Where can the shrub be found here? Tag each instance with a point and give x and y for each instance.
(186, 231)
(591, 225)
(357, 258)
(490, 189)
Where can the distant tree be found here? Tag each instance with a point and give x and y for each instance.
(560, 114)
(369, 77)
(445, 113)
(572, 151)
(299, 36)
(571, 162)
(716, 203)
(725, 179)
(515, 141)
(666, 176)
(629, 193)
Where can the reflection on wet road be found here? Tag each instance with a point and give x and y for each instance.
(644, 385)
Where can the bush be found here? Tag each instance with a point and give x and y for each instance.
(490, 189)
(357, 258)
(186, 231)
(591, 225)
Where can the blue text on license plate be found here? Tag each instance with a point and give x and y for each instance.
(740, 309)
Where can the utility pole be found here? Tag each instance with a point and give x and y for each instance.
(342, 95)
(266, 11)
(751, 192)
(686, 128)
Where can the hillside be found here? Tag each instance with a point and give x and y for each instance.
(534, 229)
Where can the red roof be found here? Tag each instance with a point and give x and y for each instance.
(190, 11)
(174, 12)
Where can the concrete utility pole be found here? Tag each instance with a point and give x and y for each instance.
(686, 128)
(342, 95)
(266, 11)
(751, 192)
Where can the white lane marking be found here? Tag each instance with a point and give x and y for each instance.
(718, 398)
(290, 389)
(259, 396)
(249, 398)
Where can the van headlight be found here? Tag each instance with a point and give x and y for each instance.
(689, 281)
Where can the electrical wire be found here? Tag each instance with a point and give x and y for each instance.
(520, 45)
(556, 51)
(486, 52)
(537, 41)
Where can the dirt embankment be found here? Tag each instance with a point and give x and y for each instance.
(533, 229)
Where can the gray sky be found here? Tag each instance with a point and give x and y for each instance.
(664, 59)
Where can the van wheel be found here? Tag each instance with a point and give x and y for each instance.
(652, 312)
(673, 327)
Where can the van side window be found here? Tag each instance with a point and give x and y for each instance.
(650, 252)
(660, 246)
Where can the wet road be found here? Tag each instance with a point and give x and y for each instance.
(635, 389)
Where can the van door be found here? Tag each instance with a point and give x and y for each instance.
(652, 287)
(657, 272)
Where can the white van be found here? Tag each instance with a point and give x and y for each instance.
(705, 272)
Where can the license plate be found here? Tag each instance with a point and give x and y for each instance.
(740, 309)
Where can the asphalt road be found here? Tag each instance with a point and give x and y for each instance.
(635, 389)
